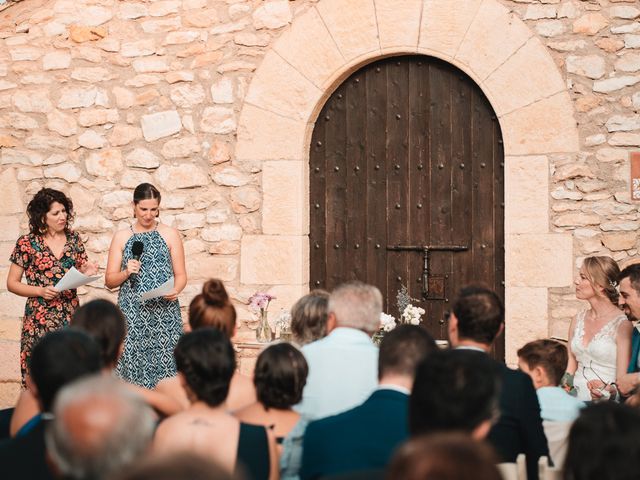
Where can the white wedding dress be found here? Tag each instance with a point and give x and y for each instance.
(598, 358)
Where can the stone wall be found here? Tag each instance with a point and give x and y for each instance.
(98, 96)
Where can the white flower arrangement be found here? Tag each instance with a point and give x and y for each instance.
(412, 315)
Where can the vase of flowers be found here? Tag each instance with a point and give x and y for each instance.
(259, 303)
(411, 315)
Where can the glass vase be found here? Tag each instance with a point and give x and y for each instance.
(263, 332)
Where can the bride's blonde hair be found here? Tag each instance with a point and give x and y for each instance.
(603, 272)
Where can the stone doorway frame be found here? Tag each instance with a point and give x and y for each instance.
(332, 39)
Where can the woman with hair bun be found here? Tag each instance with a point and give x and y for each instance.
(599, 337)
(213, 308)
(206, 364)
(43, 257)
(141, 258)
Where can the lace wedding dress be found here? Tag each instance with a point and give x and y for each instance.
(597, 359)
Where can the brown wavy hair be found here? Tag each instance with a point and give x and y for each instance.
(212, 308)
(41, 203)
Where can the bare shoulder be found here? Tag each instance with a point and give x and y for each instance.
(121, 237)
(170, 234)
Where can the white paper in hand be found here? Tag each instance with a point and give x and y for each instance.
(73, 279)
(160, 291)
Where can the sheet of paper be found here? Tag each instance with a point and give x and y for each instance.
(160, 291)
(73, 279)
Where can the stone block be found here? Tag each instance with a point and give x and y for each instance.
(92, 140)
(181, 147)
(172, 177)
(222, 232)
(257, 130)
(539, 260)
(526, 194)
(353, 26)
(219, 120)
(160, 125)
(529, 75)
(106, 163)
(77, 97)
(9, 392)
(493, 36)
(10, 228)
(526, 311)
(67, 172)
(203, 266)
(273, 14)
(10, 329)
(284, 208)
(62, 123)
(620, 241)
(398, 23)
(444, 25)
(230, 177)
(274, 260)
(320, 58)
(32, 101)
(286, 296)
(186, 95)
(280, 88)
(56, 61)
(546, 126)
(11, 192)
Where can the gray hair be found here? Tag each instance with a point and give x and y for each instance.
(84, 445)
(356, 305)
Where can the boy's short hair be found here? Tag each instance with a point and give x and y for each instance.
(547, 354)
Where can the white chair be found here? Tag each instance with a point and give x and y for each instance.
(514, 471)
(557, 434)
(546, 472)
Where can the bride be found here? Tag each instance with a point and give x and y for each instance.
(599, 337)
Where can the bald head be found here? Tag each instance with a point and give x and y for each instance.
(99, 427)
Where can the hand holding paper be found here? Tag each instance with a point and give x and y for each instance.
(164, 289)
(74, 279)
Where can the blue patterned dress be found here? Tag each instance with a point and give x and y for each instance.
(153, 326)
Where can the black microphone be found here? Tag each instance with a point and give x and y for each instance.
(136, 250)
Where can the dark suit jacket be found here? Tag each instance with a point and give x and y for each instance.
(362, 438)
(519, 429)
(635, 351)
(25, 457)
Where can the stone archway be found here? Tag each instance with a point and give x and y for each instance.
(482, 38)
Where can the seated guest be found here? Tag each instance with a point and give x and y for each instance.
(342, 365)
(629, 301)
(363, 438)
(280, 375)
(205, 360)
(309, 317)
(99, 428)
(103, 321)
(454, 391)
(177, 466)
(448, 456)
(545, 361)
(476, 321)
(59, 358)
(604, 443)
(212, 308)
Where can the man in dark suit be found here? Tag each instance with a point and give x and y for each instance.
(629, 300)
(477, 319)
(58, 359)
(362, 439)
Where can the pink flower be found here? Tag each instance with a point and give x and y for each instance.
(260, 301)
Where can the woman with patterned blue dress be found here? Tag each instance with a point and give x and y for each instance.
(153, 326)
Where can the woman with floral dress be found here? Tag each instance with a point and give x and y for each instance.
(43, 256)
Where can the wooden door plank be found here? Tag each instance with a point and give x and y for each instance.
(335, 127)
(376, 192)
(317, 205)
(397, 169)
(356, 174)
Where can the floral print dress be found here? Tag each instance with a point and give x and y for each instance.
(43, 268)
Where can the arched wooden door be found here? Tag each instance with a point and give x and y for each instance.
(406, 186)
